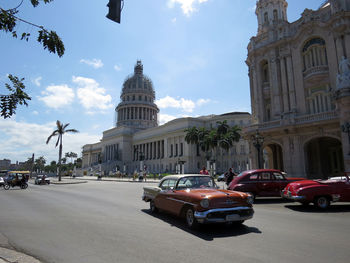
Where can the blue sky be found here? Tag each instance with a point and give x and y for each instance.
(193, 50)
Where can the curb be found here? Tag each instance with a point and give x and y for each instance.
(58, 183)
(9, 255)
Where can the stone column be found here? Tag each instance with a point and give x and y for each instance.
(291, 83)
(284, 86)
(275, 94)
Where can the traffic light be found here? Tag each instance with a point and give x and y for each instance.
(115, 8)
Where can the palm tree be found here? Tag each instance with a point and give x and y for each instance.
(191, 135)
(61, 129)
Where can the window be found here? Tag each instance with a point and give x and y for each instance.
(171, 150)
(266, 18)
(314, 54)
(278, 176)
(140, 97)
(181, 149)
(275, 15)
(176, 150)
(265, 176)
(168, 184)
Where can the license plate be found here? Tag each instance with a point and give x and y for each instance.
(232, 217)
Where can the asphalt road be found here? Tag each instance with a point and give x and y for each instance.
(107, 222)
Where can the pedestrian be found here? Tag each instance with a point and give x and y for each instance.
(229, 176)
(204, 171)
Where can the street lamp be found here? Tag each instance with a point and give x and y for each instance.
(346, 129)
(258, 141)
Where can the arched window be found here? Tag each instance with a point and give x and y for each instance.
(314, 54)
(319, 99)
(266, 18)
(275, 15)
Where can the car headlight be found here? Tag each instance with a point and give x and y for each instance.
(205, 203)
(250, 199)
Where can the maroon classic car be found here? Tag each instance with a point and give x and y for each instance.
(198, 199)
(261, 182)
(319, 192)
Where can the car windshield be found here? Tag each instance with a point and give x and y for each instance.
(192, 182)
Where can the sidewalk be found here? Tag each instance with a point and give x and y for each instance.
(9, 255)
(113, 179)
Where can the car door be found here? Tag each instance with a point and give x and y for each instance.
(166, 198)
(280, 182)
(266, 186)
(345, 191)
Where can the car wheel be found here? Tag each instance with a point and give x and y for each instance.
(6, 186)
(24, 186)
(191, 221)
(152, 207)
(322, 202)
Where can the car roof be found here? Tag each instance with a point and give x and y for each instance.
(178, 176)
(261, 171)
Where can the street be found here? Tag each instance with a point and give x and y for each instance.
(103, 221)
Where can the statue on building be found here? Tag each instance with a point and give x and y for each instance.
(343, 77)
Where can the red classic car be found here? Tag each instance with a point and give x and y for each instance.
(261, 182)
(198, 200)
(319, 192)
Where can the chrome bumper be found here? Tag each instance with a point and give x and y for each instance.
(222, 215)
(293, 197)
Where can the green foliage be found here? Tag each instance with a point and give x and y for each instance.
(9, 102)
(208, 139)
(61, 129)
(50, 41)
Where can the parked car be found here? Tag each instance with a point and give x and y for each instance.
(319, 192)
(41, 179)
(198, 200)
(261, 182)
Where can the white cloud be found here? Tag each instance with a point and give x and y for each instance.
(187, 6)
(37, 80)
(91, 96)
(117, 68)
(201, 102)
(169, 102)
(164, 118)
(20, 140)
(57, 96)
(95, 63)
(35, 112)
(173, 20)
(183, 104)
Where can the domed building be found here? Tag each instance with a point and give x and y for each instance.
(137, 142)
(137, 108)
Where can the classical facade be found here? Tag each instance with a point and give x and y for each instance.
(137, 142)
(299, 95)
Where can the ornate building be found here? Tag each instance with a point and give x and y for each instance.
(300, 101)
(138, 140)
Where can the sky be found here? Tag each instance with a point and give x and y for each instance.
(193, 50)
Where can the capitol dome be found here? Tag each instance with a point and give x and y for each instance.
(137, 108)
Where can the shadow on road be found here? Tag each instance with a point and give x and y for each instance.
(271, 200)
(334, 208)
(206, 232)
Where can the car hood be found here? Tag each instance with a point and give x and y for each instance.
(303, 183)
(214, 193)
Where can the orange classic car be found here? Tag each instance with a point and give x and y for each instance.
(198, 199)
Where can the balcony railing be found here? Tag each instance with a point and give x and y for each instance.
(315, 70)
(304, 119)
